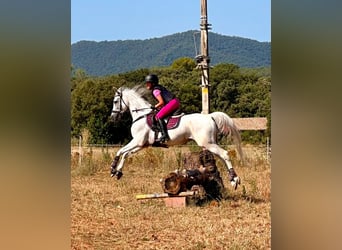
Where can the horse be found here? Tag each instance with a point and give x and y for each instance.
(201, 128)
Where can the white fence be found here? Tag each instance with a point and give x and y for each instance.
(262, 152)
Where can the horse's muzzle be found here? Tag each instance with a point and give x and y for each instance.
(114, 116)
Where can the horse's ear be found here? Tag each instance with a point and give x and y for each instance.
(115, 89)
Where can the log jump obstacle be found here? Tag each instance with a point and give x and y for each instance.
(170, 200)
(198, 184)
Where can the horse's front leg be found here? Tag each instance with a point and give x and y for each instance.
(114, 164)
(121, 155)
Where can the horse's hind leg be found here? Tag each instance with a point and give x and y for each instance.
(215, 149)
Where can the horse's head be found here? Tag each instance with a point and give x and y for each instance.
(119, 105)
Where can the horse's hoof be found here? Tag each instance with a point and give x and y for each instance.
(118, 175)
(235, 182)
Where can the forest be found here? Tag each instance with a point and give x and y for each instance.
(114, 57)
(239, 92)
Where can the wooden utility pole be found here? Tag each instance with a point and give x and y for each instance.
(203, 59)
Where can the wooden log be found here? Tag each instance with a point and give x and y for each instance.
(163, 195)
(177, 182)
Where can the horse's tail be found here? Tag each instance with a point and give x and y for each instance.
(227, 127)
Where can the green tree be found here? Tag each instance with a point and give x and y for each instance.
(184, 63)
(239, 93)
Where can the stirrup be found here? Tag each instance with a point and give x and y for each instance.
(163, 139)
(159, 144)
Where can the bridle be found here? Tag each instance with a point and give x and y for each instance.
(120, 111)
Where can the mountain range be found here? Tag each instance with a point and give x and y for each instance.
(114, 57)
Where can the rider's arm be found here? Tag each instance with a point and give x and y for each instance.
(160, 103)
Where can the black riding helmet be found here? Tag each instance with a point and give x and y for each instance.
(152, 79)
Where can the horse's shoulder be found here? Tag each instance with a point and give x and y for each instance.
(194, 114)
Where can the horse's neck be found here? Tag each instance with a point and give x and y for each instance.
(137, 112)
(138, 107)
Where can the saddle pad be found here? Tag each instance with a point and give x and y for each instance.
(172, 122)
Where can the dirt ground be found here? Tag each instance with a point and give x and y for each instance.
(105, 213)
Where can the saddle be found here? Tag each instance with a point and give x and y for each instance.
(172, 121)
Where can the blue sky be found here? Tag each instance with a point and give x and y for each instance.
(113, 20)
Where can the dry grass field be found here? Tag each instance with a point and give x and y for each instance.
(106, 215)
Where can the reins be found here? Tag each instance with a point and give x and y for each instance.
(142, 116)
(137, 110)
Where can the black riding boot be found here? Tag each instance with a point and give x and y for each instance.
(165, 137)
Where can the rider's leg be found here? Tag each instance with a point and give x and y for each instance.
(164, 112)
(165, 137)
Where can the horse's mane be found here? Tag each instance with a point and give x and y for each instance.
(140, 90)
(137, 92)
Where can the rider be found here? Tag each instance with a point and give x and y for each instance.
(167, 103)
